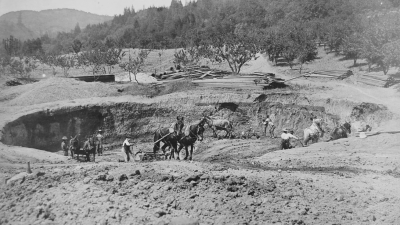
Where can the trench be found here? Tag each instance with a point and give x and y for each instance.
(45, 129)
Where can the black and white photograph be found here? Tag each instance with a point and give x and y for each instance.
(200, 112)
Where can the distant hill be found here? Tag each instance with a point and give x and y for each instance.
(32, 24)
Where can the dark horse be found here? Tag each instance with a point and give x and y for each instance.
(341, 132)
(73, 145)
(89, 148)
(169, 137)
(194, 133)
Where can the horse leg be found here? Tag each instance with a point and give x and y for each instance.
(179, 151)
(174, 146)
(214, 131)
(306, 139)
(187, 152)
(191, 152)
(165, 145)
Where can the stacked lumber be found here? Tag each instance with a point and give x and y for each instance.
(263, 80)
(334, 74)
(373, 80)
(194, 72)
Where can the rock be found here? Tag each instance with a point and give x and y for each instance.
(109, 178)
(103, 222)
(87, 180)
(159, 213)
(192, 178)
(194, 196)
(19, 178)
(339, 198)
(184, 221)
(251, 192)
(230, 181)
(270, 187)
(78, 168)
(101, 177)
(193, 183)
(164, 178)
(137, 172)
(122, 177)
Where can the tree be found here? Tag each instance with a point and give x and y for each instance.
(135, 64)
(22, 67)
(12, 46)
(236, 48)
(77, 29)
(76, 46)
(352, 47)
(112, 57)
(94, 59)
(65, 62)
(392, 55)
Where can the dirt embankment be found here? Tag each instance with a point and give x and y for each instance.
(44, 129)
(170, 193)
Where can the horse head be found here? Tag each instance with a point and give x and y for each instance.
(179, 125)
(199, 132)
(347, 126)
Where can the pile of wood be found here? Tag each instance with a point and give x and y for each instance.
(379, 80)
(263, 80)
(195, 72)
(335, 74)
(374, 80)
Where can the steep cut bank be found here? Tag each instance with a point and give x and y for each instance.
(44, 129)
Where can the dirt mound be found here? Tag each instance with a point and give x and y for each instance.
(55, 89)
(166, 192)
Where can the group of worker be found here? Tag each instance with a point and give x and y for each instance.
(98, 143)
(287, 134)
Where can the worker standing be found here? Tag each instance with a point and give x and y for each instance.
(285, 139)
(268, 123)
(99, 143)
(126, 149)
(64, 145)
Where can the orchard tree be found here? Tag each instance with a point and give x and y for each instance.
(352, 47)
(65, 62)
(135, 64)
(236, 48)
(22, 67)
(112, 57)
(93, 59)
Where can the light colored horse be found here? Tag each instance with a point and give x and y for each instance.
(312, 133)
(220, 124)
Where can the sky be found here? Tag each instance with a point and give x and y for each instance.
(101, 7)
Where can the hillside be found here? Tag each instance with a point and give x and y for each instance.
(34, 24)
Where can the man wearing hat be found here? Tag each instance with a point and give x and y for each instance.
(285, 143)
(99, 143)
(64, 145)
(126, 149)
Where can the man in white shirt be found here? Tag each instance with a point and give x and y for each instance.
(285, 143)
(99, 143)
(268, 122)
(126, 149)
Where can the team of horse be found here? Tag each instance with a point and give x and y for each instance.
(177, 137)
